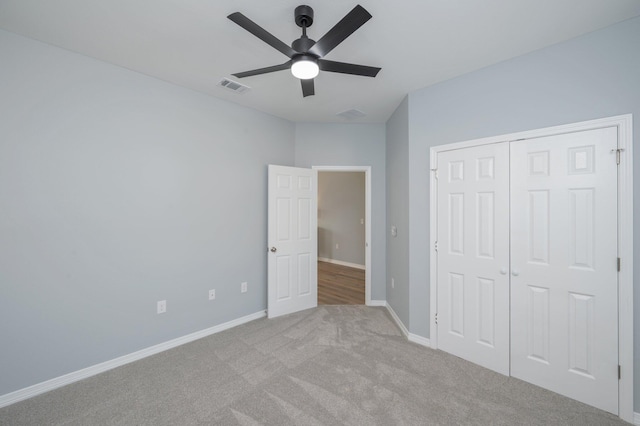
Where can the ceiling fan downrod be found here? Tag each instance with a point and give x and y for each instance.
(304, 19)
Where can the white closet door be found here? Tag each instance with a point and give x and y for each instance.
(473, 254)
(564, 329)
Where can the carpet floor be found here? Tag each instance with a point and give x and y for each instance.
(330, 365)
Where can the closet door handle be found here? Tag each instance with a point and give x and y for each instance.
(503, 271)
(515, 272)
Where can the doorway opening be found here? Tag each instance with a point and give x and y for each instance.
(344, 230)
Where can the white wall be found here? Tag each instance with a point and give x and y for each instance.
(352, 145)
(341, 214)
(118, 190)
(589, 77)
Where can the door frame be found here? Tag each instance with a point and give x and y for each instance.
(624, 123)
(367, 219)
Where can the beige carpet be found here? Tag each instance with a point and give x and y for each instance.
(326, 366)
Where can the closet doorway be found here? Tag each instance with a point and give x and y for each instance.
(527, 257)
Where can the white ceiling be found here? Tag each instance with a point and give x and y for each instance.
(417, 43)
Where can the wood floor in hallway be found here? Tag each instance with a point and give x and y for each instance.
(340, 285)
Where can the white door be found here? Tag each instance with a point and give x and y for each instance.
(292, 237)
(564, 327)
(473, 254)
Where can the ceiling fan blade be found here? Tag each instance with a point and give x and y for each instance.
(343, 29)
(265, 70)
(345, 68)
(261, 33)
(308, 88)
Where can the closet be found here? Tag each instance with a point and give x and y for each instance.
(527, 260)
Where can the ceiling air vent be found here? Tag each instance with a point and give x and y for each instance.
(233, 85)
(351, 114)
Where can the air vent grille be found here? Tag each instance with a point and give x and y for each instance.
(234, 86)
(351, 114)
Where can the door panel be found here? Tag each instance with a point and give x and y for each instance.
(473, 247)
(292, 236)
(563, 260)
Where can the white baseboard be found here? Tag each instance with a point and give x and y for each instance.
(396, 318)
(419, 340)
(410, 336)
(340, 262)
(377, 303)
(75, 376)
(636, 418)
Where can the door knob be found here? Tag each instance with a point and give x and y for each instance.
(503, 271)
(273, 249)
(515, 272)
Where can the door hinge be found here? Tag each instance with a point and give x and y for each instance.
(619, 372)
(435, 173)
(435, 246)
(618, 151)
(436, 318)
(618, 264)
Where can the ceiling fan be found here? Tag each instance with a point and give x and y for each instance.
(307, 55)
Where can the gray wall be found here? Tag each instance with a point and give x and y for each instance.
(352, 145)
(398, 211)
(589, 77)
(341, 214)
(119, 190)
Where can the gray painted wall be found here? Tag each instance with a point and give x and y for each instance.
(398, 211)
(352, 145)
(119, 190)
(589, 77)
(341, 214)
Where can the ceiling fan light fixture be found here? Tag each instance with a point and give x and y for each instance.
(305, 67)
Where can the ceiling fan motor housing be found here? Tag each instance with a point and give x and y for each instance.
(303, 44)
(304, 16)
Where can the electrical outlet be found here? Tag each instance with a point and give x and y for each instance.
(393, 283)
(162, 306)
(243, 287)
(337, 246)
(212, 294)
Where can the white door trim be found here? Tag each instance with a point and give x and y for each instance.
(367, 220)
(624, 123)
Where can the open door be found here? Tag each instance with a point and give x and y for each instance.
(292, 236)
